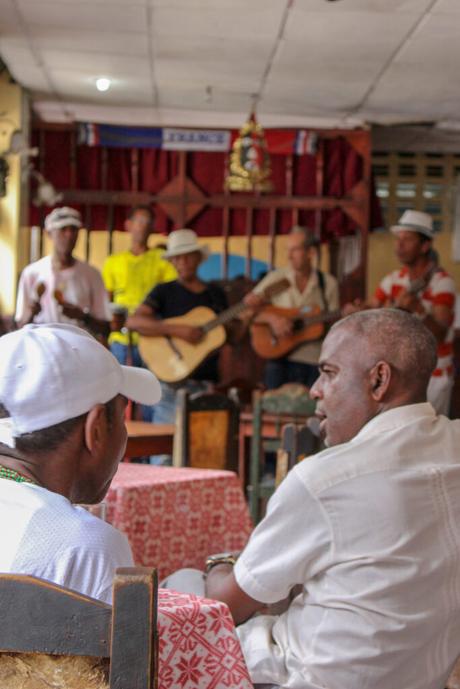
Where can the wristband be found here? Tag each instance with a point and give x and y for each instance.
(219, 559)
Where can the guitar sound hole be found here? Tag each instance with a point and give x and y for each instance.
(298, 325)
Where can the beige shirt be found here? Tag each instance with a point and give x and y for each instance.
(312, 295)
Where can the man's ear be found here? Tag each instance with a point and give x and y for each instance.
(380, 377)
(96, 428)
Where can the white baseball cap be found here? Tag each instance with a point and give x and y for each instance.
(62, 217)
(415, 221)
(184, 242)
(52, 373)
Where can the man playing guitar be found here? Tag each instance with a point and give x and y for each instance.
(176, 298)
(426, 290)
(309, 288)
(59, 288)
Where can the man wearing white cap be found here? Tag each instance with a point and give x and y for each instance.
(176, 298)
(425, 289)
(59, 288)
(62, 435)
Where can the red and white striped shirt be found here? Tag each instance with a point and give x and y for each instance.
(439, 291)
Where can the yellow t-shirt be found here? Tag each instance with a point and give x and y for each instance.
(130, 278)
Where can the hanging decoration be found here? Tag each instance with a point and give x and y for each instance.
(249, 160)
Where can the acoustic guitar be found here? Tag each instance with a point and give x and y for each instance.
(173, 360)
(308, 323)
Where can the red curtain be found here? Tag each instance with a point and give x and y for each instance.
(343, 168)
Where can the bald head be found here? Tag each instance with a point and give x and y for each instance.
(397, 337)
(371, 362)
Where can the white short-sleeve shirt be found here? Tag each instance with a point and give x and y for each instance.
(45, 536)
(80, 285)
(371, 529)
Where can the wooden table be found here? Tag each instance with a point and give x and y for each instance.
(176, 517)
(149, 438)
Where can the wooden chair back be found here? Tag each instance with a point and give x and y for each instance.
(44, 625)
(288, 403)
(208, 430)
(297, 442)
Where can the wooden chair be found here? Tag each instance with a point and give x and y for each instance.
(207, 431)
(53, 637)
(297, 442)
(290, 403)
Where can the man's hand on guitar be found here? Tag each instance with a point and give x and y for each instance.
(280, 326)
(72, 311)
(35, 309)
(189, 333)
(408, 302)
(254, 301)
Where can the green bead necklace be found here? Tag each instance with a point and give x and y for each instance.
(12, 475)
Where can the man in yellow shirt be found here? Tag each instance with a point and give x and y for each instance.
(130, 275)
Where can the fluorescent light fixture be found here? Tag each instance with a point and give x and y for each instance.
(103, 84)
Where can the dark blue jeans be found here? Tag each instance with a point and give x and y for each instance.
(120, 352)
(280, 371)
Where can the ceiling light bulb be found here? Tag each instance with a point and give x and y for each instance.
(103, 84)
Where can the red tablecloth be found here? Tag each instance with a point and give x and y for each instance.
(176, 517)
(199, 648)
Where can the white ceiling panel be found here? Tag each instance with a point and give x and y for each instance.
(437, 38)
(214, 50)
(368, 6)
(108, 3)
(73, 40)
(8, 18)
(447, 7)
(219, 22)
(96, 64)
(218, 5)
(84, 16)
(305, 61)
(356, 35)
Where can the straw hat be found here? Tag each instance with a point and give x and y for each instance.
(184, 242)
(415, 221)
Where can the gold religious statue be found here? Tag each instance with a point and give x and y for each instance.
(249, 160)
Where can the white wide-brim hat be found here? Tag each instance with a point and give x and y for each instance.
(184, 242)
(63, 217)
(415, 221)
(52, 373)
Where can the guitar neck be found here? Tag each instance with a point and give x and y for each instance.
(224, 317)
(324, 317)
(233, 311)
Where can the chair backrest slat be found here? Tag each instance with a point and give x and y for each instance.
(34, 613)
(134, 645)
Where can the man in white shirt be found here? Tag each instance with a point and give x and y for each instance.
(62, 435)
(59, 288)
(368, 528)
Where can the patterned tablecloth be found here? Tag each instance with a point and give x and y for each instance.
(176, 517)
(199, 648)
